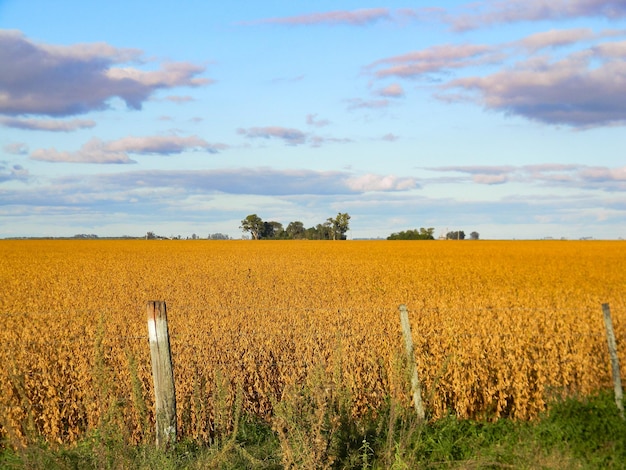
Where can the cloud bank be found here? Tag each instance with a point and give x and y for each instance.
(360, 17)
(117, 151)
(435, 59)
(70, 80)
(489, 13)
(47, 124)
(585, 89)
(547, 175)
(582, 89)
(247, 181)
(13, 173)
(291, 136)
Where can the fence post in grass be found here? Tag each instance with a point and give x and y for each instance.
(162, 374)
(416, 390)
(610, 337)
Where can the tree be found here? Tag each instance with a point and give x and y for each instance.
(254, 225)
(422, 234)
(474, 236)
(321, 231)
(268, 230)
(314, 233)
(458, 235)
(279, 231)
(218, 236)
(295, 230)
(339, 226)
(84, 236)
(331, 229)
(272, 230)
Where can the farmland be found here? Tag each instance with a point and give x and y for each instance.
(499, 327)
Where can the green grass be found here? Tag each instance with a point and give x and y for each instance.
(585, 433)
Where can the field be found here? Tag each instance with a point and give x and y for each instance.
(500, 328)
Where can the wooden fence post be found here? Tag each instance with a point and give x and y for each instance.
(415, 383)
(162, 374)
(610, 337)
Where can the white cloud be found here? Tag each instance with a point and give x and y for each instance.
(13, 172)
(490, 179)
(394, 90)
(358, 103)
(69, 80)
(47, 124)
(551, 175)
(16, 148)
(491, 12)
(94, 151)
(567, 91)
(311, 120)
(288, 135)
(351, 17)
(435, 59)
(390, 137)
(555, 38)
(292, 136)
(372, 182)
(116, 151)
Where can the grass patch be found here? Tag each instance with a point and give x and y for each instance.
(585, 433)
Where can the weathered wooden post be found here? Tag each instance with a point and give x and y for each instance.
(416, 389)
(162, 374)
(610, 337)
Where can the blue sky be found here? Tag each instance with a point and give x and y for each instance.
(122, 117)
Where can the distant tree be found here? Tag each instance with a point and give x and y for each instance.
(295, 230)
(218, 236)
(474, 236)
(331, 229)
(421, 234)
(328, 231)
(150, 236)
(458, 235)
(428, 233)
(339, 226)
(272, 230)
(268, 230)
(314, 233)
(318, 232)
(253, 224)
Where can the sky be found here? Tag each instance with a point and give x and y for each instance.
(507, 118)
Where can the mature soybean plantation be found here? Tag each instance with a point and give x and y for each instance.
(500, 328)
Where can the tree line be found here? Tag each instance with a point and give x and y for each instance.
(334, 228)
(428, 234)
(421, 234)
(460, 235)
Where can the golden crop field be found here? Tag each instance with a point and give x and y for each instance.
(499, 328)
